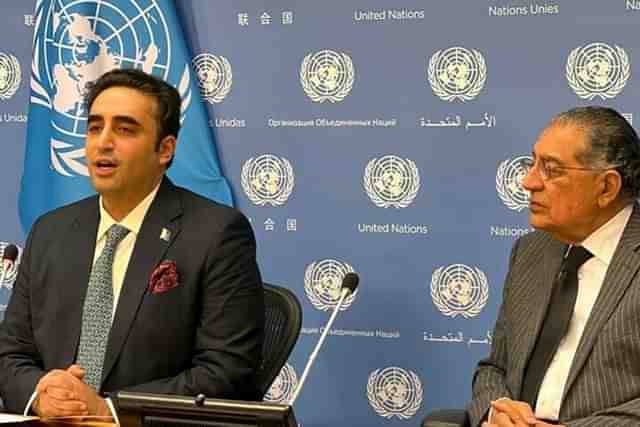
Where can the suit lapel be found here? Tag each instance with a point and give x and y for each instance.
(150, 248)
(79, 239)
(539, 288)
(623, 268)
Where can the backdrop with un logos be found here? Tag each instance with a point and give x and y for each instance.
(374, 136)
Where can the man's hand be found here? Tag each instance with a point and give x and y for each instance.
(96, 405)
(514, 410)
(512, 413)
(57, 396)
(63, 393)
(538, 424)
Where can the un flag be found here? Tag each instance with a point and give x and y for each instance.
(75, 42)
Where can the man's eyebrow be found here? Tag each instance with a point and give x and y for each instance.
(126, 119)
(546, 157)
(118, 119)
(94, 118)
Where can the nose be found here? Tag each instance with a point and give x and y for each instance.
(105, 140)
(532, 181)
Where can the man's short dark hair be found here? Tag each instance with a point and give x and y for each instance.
(168, 98)
(613, 143)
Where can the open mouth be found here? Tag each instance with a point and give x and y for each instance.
(105, 166)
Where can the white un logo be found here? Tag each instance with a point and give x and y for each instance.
(323, 284)
(267, 180)
(394, 392)
(391, 181)
(459, 290)
(598, 70)
(10, 75)
(76, 46)
(214, 76)
(281, 391)
(327, 76)
(457, 73)
(509, 177)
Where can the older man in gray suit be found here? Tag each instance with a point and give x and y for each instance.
(566, 348)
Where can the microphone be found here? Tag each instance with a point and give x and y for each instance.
(199, 400)
(9, 256)
(349, 285)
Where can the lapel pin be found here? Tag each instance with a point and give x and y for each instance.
(165, 235)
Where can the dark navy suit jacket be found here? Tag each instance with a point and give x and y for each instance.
(202, 336)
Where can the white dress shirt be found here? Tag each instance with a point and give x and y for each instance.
(133, 223)
(602, 244)
(124, 250)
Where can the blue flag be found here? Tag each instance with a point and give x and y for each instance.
(75, 42)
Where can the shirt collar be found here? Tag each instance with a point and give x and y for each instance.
(603, 242)
(133, 220)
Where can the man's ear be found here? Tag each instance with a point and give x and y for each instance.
(167, 149)
(611, 188)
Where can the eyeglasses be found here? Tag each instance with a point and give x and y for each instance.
(551, 171)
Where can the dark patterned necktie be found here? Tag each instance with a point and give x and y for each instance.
(98, 309)
(556, 323)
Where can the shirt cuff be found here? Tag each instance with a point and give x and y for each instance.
(112, 408)
(29, 403)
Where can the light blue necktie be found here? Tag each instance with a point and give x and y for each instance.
(98, 309)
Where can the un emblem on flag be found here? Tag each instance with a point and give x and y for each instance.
(281, 391)
(75, 43)
(459, 290)
(10, 75)
(457, 73)
(598, 70)
(214, 76)
(391, 181)
(323, 284)
(9, 276)
(267, 180)
(327, 76)
(509, 179)
(394, 392)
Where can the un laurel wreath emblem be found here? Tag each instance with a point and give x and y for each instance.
(281, 391)
(327, 76)
(214, 76)
(459, 290)
(394, 392)
(391, 181)
(509, 179)
(10, 75)
(457, 73)
(323, 281)
(598, 70)
(267, 180)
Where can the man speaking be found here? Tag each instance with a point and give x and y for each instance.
(145, 287)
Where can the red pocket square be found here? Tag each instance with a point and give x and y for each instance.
(163, 278)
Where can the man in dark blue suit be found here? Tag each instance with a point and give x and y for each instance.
(185, 309)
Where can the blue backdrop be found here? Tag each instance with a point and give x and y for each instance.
(380, 137)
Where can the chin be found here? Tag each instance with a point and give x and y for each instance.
(101, 187)
(538, 223)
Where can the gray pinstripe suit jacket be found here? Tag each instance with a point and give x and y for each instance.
(603, 388)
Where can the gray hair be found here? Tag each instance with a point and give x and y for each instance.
(613, 143)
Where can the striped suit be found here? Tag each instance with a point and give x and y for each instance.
(603, 388)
